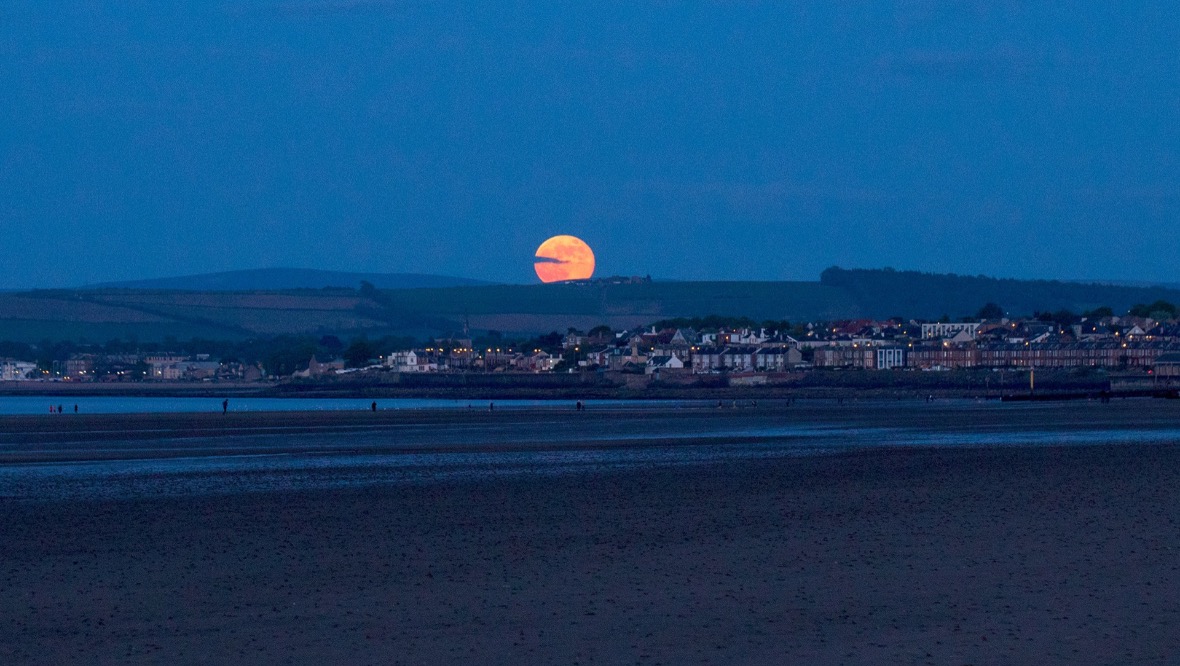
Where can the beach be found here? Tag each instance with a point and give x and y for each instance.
(1053, 553)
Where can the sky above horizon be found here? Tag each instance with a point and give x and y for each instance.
(710, 140)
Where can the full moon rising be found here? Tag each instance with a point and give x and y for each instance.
(564, 258)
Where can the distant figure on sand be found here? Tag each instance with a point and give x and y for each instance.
(373, 406)
(225, 405)
(75, 408)
(491, 406)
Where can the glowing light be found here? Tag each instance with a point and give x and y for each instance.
(564, 258)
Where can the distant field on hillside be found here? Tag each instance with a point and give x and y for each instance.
(63, 307)
(512, 309)
(103, 315)
(99, 315)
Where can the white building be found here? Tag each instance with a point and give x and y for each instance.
(164, 366)
(949, 330)
(411, 361)
(890, 357)
(14, 371)
(748, 337)
(669, 362)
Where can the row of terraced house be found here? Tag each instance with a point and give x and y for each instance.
(946, 355)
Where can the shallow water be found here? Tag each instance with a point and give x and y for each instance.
(261, 473)
(40, 404)
(541, 442)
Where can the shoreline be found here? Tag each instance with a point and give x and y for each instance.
(558, 427)
(379, 392)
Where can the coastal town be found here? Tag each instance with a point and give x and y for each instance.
(1145, 341)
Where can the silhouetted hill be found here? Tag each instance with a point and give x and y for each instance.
(885, 293)
(102, 314)
(224, 308)
(276, 279)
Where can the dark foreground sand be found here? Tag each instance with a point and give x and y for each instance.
(978, 556)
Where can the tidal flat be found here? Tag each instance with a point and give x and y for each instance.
(875, 532)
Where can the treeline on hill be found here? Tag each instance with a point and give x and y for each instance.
(712, 322)
(721, 322)
(1159, 311)
(882, 293)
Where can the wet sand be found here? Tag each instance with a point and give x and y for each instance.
(1049, 554)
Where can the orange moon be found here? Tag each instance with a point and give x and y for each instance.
(564, 258)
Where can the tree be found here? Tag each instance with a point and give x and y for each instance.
(1098, 313)
(48, 352)
(286, 355)
(549, 341)
(358, 353)
(140, 370)
(1064, 317)
(1157, 310)
(777, 325)
(990, 311)
(17, 350)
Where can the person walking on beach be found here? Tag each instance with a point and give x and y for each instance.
(75, 408)
(374, 406)
(225, 406)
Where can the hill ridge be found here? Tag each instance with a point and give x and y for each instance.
(154, 314)
(280, 279)
(886, 292)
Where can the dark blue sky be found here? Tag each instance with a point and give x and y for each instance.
(721, 140)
